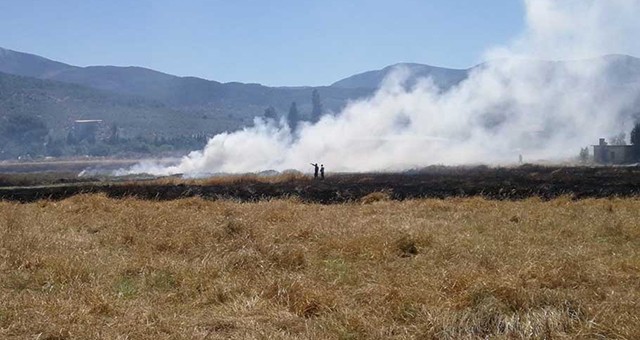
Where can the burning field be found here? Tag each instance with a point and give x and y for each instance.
(433, 182)
(91, 266)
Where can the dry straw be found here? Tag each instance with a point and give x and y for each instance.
(90, 267)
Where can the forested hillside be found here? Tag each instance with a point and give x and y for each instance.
(37, 118)
(146, 111)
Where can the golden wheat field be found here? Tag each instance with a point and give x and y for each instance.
(91, 267)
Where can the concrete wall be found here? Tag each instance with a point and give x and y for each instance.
(612, 154)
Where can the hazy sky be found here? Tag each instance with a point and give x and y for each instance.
(279, 42)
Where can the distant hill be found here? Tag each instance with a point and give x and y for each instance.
(58, 104)
(621, 70)
(128, 80)
(29, 65)
(144, 102)
(442, 77)
(167, 112)
(37, 116)
(233, 100)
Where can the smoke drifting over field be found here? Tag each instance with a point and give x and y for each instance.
(514, 105)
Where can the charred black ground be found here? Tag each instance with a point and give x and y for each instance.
(434, 182)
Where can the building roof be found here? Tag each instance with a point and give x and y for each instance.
(81, 121)
(612, 146)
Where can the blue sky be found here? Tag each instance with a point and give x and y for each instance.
(279, 42)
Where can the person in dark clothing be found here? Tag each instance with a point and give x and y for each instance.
(321, 171)
(315, 170)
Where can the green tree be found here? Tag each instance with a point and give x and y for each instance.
(294, 117)
(635, 134)
(635, 141)
(316, 111)
(270, 113)
(620, 139)
(71, 138)
(584, 154)
(22, 135)
(113, 134)
(55, 147)
(25, 129)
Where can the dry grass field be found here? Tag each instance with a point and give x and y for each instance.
(90, 267)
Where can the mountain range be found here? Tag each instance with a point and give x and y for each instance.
(146, 102)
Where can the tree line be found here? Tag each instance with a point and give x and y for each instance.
(294, 117)
(25, 136)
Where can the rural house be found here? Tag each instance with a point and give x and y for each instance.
(603, 153)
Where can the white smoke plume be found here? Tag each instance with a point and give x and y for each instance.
(516, 104)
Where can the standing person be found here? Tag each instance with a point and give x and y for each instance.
(321, 171)
(315, 170)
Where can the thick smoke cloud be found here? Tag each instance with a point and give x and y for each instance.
(576, 29)
(514, 105)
